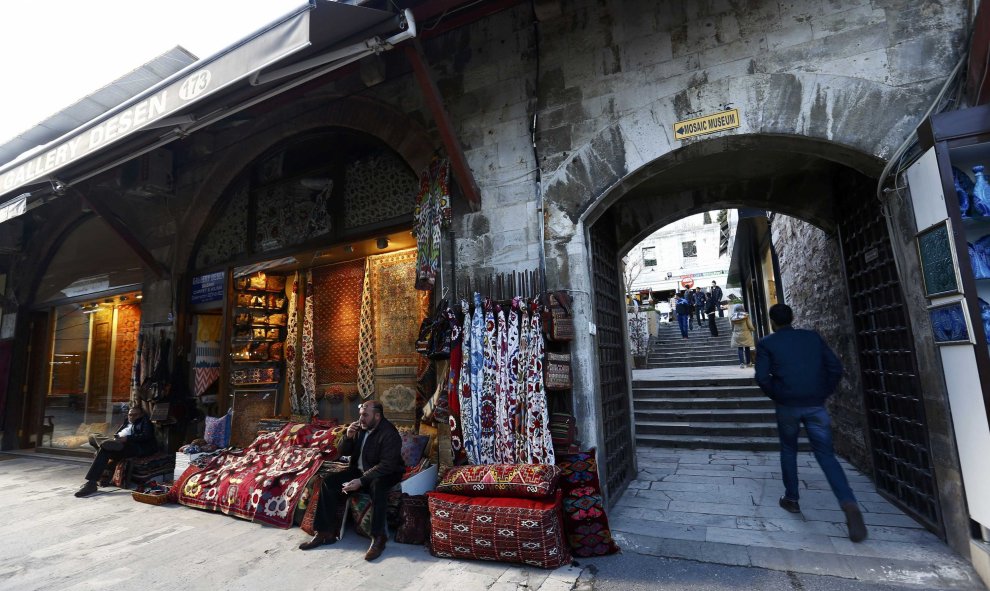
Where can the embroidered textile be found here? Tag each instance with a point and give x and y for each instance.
(488, 409)
(454, 397)
(525, 531)
(511, 426)
(397, 309)
(585, 522)
(366, 339)
(206, 370)
(395, 388)
(368, 180)
(291, 342)
(466, 402)
(307, 370)
(337, 291)
(414, 520)
(264, 481)
(477, 377)
(533, 481)
(538, 440)
(522, 388)
(504, 440)
(432, 212)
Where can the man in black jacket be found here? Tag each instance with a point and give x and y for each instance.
(798, 371)
(134, 439)
(376, 465)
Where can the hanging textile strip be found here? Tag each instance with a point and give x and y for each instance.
(511, 386)
(432, 212)
(488, 411)
(366, 339)
(522, 380)
(206, 370)
(537, 417)
(464, 389)
(307, 374)
(454, 397)
(505, 442)
(477, 374)
(291, 341)
(136, 367)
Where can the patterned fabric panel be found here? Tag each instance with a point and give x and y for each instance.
(414, 520)
(378, 188)
(264, 481)
(398, 310)
(413, 447)
(585, 521)
(336, 301)
(128, 327)
(227, 238)
(534, 481)
(505, 530)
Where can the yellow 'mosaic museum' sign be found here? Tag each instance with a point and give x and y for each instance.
(707, 124)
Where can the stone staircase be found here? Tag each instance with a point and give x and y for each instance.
(696, 410)
(700, 349)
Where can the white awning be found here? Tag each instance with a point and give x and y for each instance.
(300, 37)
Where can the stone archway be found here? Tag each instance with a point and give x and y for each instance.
(803, 179)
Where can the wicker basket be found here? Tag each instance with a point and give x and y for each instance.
(151, 499)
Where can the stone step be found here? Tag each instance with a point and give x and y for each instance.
(713, 356)
(701, 381)
(707, 428)
(694, 415)
(690, 364)
(647, 393)
(704, 403)
(715, 442)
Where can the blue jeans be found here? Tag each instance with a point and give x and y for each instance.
(682, 323)
(819, 427)
(743, 354)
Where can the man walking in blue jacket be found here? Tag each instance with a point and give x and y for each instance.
(798, 371)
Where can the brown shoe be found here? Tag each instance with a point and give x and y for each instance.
(320, 539)
(376, 548)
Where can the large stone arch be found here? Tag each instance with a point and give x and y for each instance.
(403, 135)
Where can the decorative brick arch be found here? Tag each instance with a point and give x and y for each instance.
(396, 130)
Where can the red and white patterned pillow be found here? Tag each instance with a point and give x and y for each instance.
(526, 531)
(531, 481)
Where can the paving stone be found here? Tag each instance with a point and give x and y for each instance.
(677, 531)
(806, 541)
(630, 500)
(799, 561)
(682, 486)
(712, 508)
(665, 516)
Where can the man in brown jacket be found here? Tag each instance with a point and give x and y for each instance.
(376, 465)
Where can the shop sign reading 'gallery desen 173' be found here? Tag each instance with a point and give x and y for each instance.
(708, 124)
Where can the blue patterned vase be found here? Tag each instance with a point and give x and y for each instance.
(964, 188)
(980, 198)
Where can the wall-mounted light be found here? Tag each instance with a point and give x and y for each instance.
(138, 297)
(349, 248)
(382, 243)
(123, 298)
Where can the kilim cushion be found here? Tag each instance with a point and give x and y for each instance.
(526, 531)
(585, 521)
(533, 481)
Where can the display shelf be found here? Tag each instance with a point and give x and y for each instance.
(255, 360)
(278, 309)
(255, 383)
(242, 341)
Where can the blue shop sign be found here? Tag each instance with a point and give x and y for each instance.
(208, 288)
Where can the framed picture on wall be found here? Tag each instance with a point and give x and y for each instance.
(939, 262)
(951, 323)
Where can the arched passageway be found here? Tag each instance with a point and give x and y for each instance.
(830, 187)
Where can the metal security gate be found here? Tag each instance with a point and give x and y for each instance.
(615, 413)
(902, 457)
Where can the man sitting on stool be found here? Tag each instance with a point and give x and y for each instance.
(375, 447)
(134, 439)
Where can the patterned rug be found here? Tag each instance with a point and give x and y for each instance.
(398, 308)
(337, 319)
(264, 481)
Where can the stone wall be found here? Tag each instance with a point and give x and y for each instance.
(814, 287)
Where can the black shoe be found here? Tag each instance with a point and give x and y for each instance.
(86, 489)
(790, 505)
(854, 522)
(320, 539)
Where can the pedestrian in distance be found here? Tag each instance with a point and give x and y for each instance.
(716, 292)
(683, 310)
(699, 303)
(710, 306)
(742, 334)
(798, 371)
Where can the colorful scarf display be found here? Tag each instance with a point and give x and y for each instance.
(431, 214)
(488, 409)
(464, 388)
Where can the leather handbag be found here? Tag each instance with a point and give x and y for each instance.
(557, 370)
(558, 324)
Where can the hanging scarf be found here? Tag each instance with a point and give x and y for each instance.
(454, 397)
(505, 442)
(522, 393)
(511, 386)
(537, 417)
(477, 372)
(291, 340)
(307, 374)
(488, 409)
(366, 339)
(466, 401)
(431, 214)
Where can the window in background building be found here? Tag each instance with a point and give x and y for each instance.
(650, 256)
(689, 248)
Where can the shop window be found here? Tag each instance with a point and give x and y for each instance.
(649, 256)
(87, 386)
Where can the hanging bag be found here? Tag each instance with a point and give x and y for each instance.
(440, 333)
(558, 324)
(557, 370)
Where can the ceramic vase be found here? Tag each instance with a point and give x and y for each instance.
(980, 198)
